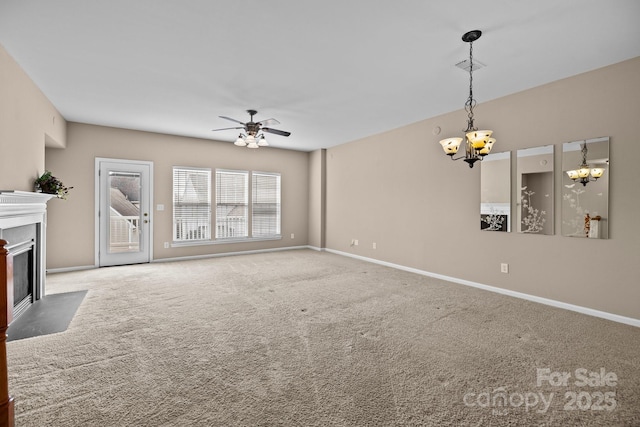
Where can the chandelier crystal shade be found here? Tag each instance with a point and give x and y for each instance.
(477, 143)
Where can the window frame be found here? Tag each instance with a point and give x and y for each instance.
(218, 236)
(278, 203)
(213, 210)
(206, 207)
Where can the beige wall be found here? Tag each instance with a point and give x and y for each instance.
(27, 121)
(399, 190)
(71, 224)
(317, 198)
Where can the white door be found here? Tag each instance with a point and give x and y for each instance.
(124, 212)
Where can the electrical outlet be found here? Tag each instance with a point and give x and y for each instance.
(504, 268)
(166, 245)
(293, 236)
(355, 242)
(374, 245)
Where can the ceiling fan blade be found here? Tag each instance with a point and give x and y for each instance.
(213, 130)
(233, 120)
(269, 122)
(276, 131)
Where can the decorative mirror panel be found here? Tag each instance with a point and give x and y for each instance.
(585, 188)
(535, 187)
(495, 192)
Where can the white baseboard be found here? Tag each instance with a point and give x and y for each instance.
(559, 304)
(68, 269)
(222, 254)
(185, 258)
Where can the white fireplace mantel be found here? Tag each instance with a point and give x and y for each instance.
(22, 207)
(24, 198)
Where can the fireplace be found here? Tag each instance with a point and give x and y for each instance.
(22, 225)
(22, 246)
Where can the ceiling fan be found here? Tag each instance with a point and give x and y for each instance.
(254, 136)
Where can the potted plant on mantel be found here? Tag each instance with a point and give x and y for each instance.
(49, 184)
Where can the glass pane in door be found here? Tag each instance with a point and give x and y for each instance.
(124, 212)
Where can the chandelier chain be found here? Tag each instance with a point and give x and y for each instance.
(471, 103)
(584, 153)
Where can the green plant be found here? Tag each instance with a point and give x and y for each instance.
(49, 184)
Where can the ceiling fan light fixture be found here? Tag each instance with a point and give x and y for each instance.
(254, 137)
(262, 142)
(240, 142)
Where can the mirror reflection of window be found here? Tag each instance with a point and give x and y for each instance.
(535, 188)
(495, 192)
(585, 188)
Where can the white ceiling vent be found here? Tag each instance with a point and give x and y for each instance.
(465, 65)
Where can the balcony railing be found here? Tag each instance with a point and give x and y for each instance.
(191, 229)
(230, 227)
(124, 233)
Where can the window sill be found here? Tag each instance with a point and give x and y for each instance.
(224, 241)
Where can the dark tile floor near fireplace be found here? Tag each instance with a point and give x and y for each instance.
(49, 315)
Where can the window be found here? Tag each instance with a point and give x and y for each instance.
(232, 203)
(191, 204)
(265, 204)
(233, 200)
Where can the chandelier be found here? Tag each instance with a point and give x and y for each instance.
(584, 172)
(478, 143)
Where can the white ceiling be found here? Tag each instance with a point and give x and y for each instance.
(330, 71)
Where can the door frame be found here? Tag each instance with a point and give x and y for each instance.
(98, 161)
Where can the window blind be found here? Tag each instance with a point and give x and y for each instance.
(265, 204)
(232, 202)
(191, 204)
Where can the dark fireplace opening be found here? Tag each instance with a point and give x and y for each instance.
(22, 242)
(23, 280)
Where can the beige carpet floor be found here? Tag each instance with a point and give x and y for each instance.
(305, 338)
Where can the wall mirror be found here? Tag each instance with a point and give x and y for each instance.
(535, 187)
(585, 188)
(495, 192)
